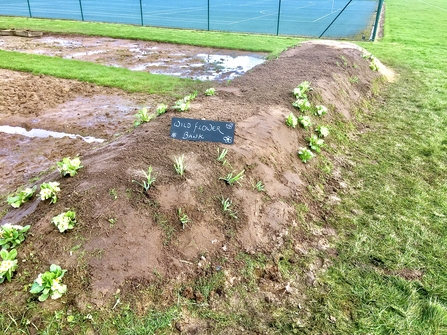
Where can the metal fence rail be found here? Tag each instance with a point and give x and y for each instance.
(353, 19)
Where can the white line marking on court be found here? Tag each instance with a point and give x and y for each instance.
(433, 5)
(252, 18)
(335, 11)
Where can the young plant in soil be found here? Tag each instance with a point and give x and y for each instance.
(143, 116)
(210, 91)
(320, 110)
(12, 235)
(183, 218)
(49, 283)
(69, 166)
(302, 104)
(305, 121)
(161, 109)
(49, 191)
(305, 154)
(315, 143)
(230, 179)
(226, 207)
(146, 184)
(300, 91)
(21, 197)
(179, 165)
(322, 131)
(8, 264)
(221, 156)
(291, 120)
(65, 221)
(182, 105)
(259, 186)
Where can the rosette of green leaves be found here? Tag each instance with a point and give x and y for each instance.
(69, 166)
(291, 120)
(21, 197)
(12, 235)
(8, 264)
(315, 143)
(305, 121)
(49, 191)
(320, 110)
(301, 90)
(182, 105)
(161, 109)
(143, 116)
(49, 283)
(302, 104)
(210, 91)
(305, 154)
(322, 131)
(65, 221)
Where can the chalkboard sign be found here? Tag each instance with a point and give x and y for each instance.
(202, 130)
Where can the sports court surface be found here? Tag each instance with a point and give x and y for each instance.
(285, 17)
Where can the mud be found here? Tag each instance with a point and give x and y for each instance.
(127, 239)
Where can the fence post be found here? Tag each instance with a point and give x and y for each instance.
(82, 12)
(335, 18)
(141, 13)
(29, 9)
(208, 15)
(279, 15)
(376, 24)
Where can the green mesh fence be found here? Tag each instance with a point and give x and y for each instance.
(351, 19)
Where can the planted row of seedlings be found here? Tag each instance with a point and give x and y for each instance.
(231, 178)
(302, 103)
(49, 283)
(181, 105)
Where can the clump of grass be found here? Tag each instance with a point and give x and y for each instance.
(150, 179)
(179, 165)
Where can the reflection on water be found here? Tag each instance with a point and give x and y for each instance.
(45, 133)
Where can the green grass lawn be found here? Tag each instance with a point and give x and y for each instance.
(390, 275)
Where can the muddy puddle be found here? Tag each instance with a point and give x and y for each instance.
(158, 58)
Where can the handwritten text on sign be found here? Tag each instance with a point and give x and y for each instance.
(202, 130)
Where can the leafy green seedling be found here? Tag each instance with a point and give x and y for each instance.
(226, 207)
(320, 110)
(302, 104)
(259, 186)
(322, 131)
(21, 197)
(179, 165)
(49, 191)
(69, 166)
(65, 221)
(143, 116)
(183, 218)
(161, 109)
(191, 97)
(49, 283)
(315, 143)
(291, 120)
(305, 121)
(146, 184)
(181, 105)
(8, 264)
(230, 179)
(12, 235)
(210, 91)
(305, 154)
(301, 90)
